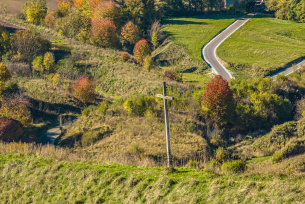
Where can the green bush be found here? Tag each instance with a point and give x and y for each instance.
(88, 110)
(221, 155)
(48, 61)
(192, 164)
(277, 157)
(50, 77)
(37, 64)
(139, 104)
(148, 63)
(235, 166)
(137, 150)
(90, 137)
(103, 107)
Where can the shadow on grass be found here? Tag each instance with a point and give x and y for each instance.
(11, 30)
(183, 22)
(190, 70)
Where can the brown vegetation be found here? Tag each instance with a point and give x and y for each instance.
(10, 129)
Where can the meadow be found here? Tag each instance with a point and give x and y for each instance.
(193, 33)
(53, 175)
(263, 46)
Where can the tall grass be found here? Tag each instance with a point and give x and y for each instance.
(36, 175)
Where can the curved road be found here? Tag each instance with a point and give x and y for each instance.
(209, 51)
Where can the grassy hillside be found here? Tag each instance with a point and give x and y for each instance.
(263, 46)
(40, 175)
(194, 33)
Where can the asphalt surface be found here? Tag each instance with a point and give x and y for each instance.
(209, 51)
(291, 69)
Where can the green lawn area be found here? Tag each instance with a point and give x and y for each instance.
(193, 33)
(39, 179)
(267, 43)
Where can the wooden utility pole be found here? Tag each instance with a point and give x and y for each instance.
(165, 98)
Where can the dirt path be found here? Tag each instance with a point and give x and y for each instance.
(13, 27)
(50, 136)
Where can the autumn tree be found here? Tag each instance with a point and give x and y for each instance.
(131, 33)
(79, 3)
(108, 10)
(93, 3)
(48, 61)
(16, 108)
(104, 32)
(37, 64)
(29, 45)
(34, 11)
(83, 89)
(4, 41)
(64, 6)
(4, 73)
(56, 80)
(51, 18)
(141, 50)
(156, 34)
(134, 9)
(218, 101)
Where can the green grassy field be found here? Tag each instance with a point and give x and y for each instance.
(193, 33)
(263, 46)
(27, 178)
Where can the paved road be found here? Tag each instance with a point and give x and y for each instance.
(290, 70)
(209, 51)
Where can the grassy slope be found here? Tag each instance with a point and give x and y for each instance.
(39, 179)
(265, 41)
(193, 33)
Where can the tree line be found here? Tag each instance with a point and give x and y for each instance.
(287, 9)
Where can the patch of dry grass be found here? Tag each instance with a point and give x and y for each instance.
(13, 7)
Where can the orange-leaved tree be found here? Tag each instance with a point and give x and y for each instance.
(51, 18)
(83, 89)
(141, 50)
(131, 32)
(108, 10)
(218, 102)
(93, 3)
(79, 3)
(104, 32)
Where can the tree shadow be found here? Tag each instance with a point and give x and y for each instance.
(182, 22)
(11, 30)
(190, 70)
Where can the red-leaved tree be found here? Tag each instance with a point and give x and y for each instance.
(83, 89)
(104, 32)
(141, 50)
(218, 101)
